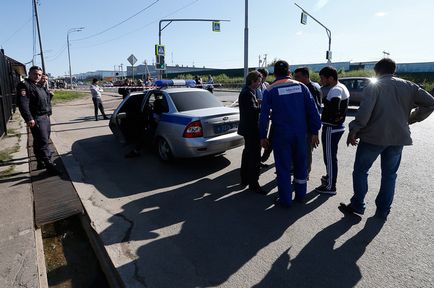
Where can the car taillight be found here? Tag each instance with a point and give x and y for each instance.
(194, 129)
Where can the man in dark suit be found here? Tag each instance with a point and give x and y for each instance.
(249, 129)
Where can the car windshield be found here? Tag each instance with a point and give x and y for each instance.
(192, 100)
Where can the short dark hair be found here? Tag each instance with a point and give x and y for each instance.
(385, 66)
(35, 68)
(264, 72)
(303, 70)
(94, 80)
(329, 71)
(253, 76)
(281, 68)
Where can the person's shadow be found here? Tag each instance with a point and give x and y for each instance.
(319, 263)
(211, 230)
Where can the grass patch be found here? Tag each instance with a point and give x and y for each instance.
(61, 96)
(6, 154)
(7, 171)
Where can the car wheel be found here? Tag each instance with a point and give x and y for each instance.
(164, 151)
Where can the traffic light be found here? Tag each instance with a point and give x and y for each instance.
(160, 63)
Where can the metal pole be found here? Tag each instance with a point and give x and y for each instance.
(69, 59)
(246, 39)
(39, 35)
(329, 33)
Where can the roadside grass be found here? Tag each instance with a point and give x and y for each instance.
(61, 96)
(6, 155)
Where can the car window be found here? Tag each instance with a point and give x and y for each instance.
(185, 101)
(132, 103)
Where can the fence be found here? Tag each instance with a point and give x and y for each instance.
(10, 71)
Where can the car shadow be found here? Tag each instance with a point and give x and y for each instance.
(120, 176)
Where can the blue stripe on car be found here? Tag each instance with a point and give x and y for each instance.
(175, 119)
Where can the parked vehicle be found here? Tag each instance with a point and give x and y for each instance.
(180, 122)
(355, 86)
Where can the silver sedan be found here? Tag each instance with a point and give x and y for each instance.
(178, 122)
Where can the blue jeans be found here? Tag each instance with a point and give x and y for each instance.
(365, 156)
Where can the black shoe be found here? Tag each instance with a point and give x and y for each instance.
(106, 118)
(324, 180)
(255, 187)
(381, 215)
(301, 200)
(132, 154)
(52, 168)
(324, 190)
(40, 165)
(279, 203)
(96, 119)
(348, 209)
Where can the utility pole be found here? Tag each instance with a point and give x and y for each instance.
(39, 35)
(69, 55)
(246, 38)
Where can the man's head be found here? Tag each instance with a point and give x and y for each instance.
(35, 74)
(301, 74)
(253, 79)
(328, 76)
(385, 66)
(281, 69)
(44, 79)
(264, 73)
(94, 81)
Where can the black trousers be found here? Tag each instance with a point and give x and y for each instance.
(41, 138)
(97, 103)
(251, 160)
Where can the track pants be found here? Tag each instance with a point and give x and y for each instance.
(330, 139)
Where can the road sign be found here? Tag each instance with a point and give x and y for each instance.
(159, 50)
(132, 59)
(216, 26)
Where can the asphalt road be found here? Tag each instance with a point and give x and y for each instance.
(189, 223)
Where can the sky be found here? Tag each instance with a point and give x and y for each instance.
(113, 30)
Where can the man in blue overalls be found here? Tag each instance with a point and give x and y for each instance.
(294, 116)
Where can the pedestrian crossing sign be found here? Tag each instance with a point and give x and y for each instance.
(216, 26)
(159, 50)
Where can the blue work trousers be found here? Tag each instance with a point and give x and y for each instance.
(365, 156)
(290, 150)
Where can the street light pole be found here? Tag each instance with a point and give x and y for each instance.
(39, 35)
(329, 33)
(69, 55)
(246, 38)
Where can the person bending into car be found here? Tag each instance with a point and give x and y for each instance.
(333, 118)
(248, 128)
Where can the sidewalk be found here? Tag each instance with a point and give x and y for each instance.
(22, 261)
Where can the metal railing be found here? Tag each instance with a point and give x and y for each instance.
(9, 78)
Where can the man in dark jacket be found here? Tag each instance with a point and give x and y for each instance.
(34, 103)
(248, 127)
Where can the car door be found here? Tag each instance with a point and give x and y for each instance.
(124, 121)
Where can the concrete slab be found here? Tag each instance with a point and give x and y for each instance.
(19, 260)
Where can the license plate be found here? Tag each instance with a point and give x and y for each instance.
(222, 128)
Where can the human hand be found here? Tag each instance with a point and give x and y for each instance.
(31, 123)
(352, 139)
(314, 140)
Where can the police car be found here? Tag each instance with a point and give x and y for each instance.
(178, 120)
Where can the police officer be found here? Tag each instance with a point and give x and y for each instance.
(294, 116)
(35, 106)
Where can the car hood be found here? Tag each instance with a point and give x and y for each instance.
(210, 111)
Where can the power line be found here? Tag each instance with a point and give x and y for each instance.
(58, 54)
(99, 33)
(142, 27)
(18, 30)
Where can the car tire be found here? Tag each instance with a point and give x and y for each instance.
(164, 151)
